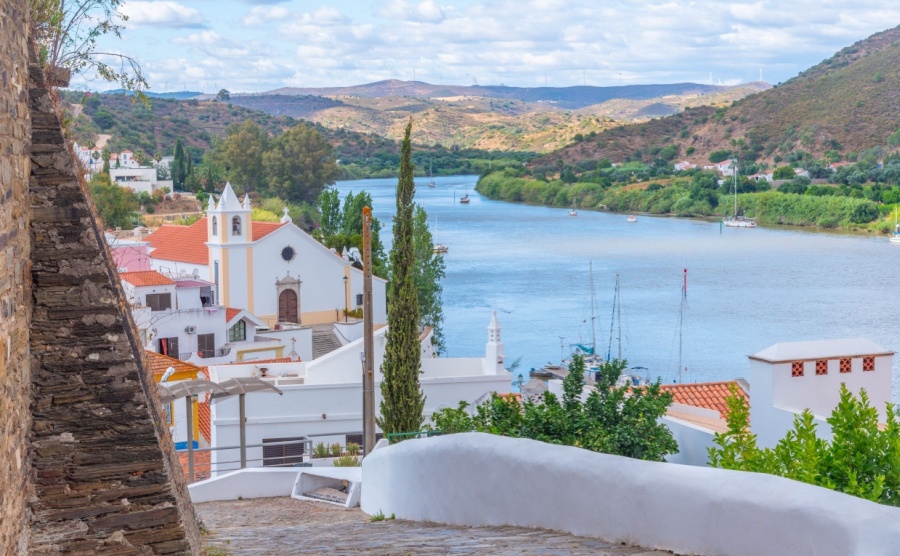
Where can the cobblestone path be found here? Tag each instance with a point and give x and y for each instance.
(284, 526)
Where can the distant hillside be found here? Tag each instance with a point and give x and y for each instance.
(495, 118)
(180, 95)
(848, 103)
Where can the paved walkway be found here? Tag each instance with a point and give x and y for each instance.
(284, 526)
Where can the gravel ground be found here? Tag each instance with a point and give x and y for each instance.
(284, 526)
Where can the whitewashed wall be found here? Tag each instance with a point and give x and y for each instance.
(693, 510)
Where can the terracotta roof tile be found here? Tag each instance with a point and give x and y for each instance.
(708, 395)
(146, 278)
(204, 420)
(257, 361)
(230, 313)
(187, 244)
(159, 363)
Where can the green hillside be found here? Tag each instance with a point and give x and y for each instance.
(845, 104)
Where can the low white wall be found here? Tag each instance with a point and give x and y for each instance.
(694, 510)
(247, 483)
(693, 442)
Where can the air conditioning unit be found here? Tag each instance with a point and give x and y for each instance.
(190, 329)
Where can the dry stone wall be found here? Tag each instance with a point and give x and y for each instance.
(15, 380)
(104, 474)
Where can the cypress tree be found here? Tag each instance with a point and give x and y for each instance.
(178, 166)
(402, 399)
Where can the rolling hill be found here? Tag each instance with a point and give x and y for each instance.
(847, 103)
(494, 118)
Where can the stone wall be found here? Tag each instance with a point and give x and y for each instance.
(105, 478)
(15, 381)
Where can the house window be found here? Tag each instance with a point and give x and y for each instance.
(215, 223)
(206, 345)
(797, 368)
(168, 346)
(159, 301)
(359, 299)
(868, 363)
(236, 226)
(287, 451)
(822, 367)
(238, 332)
(845, 366)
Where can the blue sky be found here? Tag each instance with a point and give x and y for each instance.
(259, 45)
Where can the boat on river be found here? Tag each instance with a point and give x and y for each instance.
(438, 248)
(736, 221)
(895, 237)
(631, 218)
(464, 199)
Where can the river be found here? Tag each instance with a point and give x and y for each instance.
(747, 289)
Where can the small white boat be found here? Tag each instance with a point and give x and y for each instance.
(632, 218)
(739, 222)
(464, 199)
(431, 183)
(440, 249)
(573, 212)
(895, 237)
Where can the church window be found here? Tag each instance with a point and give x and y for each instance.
(238, 332)
(288, 253)
(215, 223)
(236, 226)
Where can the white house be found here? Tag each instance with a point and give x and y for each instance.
(784, 380)
(275, 271)
(139, 179)
(322, 399)
(177, 317)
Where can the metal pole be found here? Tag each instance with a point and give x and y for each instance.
(189, 410)
(369, 338)
(619, 315)
(243, 420)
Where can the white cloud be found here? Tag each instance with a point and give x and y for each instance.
(264, 14)
(427, 11)
(162, 14)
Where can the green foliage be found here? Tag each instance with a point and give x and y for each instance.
(179, 167)
(342, 228)
(402, 399)
(335, 449)
(223, 95)
(116, 205)
(784, 173)
(241, 155)
(298, 165)
(321, 450)
(428, 271)
(612, 419)
(862, 459)
(347, 461)
(381, 517)
(719, 156)
(353, 448)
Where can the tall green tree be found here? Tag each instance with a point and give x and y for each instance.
(178, 166)
(345, 229)
(428, 272)
(241, 156)
(330, 207)
(115, 205)
(299, 165)
(402, 399)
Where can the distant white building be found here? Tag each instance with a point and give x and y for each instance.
(322, 398)
(138, 179)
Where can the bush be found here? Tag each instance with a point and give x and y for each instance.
(320, 450)
(347, 461)
(336, 449)
(719, 156)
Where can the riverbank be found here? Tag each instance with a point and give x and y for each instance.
(682, 198)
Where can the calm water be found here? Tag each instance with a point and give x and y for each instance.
(747, 289)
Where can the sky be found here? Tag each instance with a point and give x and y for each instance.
(260, 45)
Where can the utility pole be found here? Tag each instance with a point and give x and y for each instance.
(368, 381)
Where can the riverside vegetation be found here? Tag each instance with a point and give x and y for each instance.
(863, 196)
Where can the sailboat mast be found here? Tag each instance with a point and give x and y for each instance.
(593, 318)
(681, 326)
(619, 315)
(734, 169)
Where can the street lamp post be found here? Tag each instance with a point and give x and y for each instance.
(346, 308)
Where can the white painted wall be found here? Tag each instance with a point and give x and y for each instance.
(693, 441)
(301, 334)
(246, 483)
(454, 479)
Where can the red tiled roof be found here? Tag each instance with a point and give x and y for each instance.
(159, 363)
(230, 313)
(262, 229)
(708, 395)
(146, 278)
(257, 361)
(187, 244)
(204, 420)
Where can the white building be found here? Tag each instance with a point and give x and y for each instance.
(177, 317)
(784, 380)
(138, 179)
(275, 271)
(323, 398)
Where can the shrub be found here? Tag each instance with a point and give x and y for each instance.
(347, 461)
(719, 156)
(320, 450)
(353, 448)
(336, 449)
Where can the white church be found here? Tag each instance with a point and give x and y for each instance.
(274, 270)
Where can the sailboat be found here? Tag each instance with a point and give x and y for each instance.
(464, 199)
(895, 237)
(431, 181)
(736, 221)
(630, 376)
(439, 248)
(572, 211)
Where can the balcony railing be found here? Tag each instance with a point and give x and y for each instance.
(209, 354)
